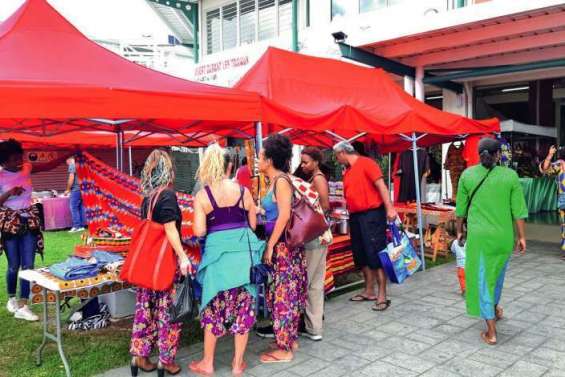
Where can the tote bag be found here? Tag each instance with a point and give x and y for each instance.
(151, 262)
(399, 258)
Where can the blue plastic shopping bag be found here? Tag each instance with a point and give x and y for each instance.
(399, 259)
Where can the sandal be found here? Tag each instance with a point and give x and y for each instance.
(381, 306)
(360, 297)
(272, 359)
(490, 342)
(194, 368)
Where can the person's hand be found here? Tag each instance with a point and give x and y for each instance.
(66, 193)
(521, 246)
(552, 151)
(185, 266)
(391, 214)
(16, 191)
(268, 255)
(460, 237)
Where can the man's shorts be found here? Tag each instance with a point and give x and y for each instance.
(368, 237)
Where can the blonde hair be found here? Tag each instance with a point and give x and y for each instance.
(212, 166)
(158, 171)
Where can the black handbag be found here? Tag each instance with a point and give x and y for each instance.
(184, 303)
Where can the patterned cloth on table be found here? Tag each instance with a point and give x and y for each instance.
(490, 233)
(151, 326)
(233, 309)
(286, 296)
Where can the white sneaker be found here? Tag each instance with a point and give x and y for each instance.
(12, 305)
(314, 337)
(25, 313)
(73, 230)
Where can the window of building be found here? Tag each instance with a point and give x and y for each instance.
(285, 16)
(344, 8)
(267, 19)
(229, 26)
(371, 5)
(247, 21)
(213, 31)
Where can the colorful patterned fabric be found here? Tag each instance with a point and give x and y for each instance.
(556, 170)
(151, 325)
(112, 199)
(286, 296)
(562, 218)
(234, 308)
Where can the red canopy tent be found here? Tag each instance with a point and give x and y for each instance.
(53, 80)
(319, 94)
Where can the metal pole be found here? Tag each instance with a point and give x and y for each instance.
(259, 136)
(130, 163)
(390, 178)
(295, 25)
(418, 199)
(117, 151)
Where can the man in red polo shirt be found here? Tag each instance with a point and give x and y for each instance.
(369, 206)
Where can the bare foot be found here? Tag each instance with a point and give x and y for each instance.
(491, 341)
(277, 356)
(201, 368)
(238, 369)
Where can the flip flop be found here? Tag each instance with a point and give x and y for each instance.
(273, 359)
(199, 371)
(488, 341)
(378, 306)
(241, 371)
(359, 298)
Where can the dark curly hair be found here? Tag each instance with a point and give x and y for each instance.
(9, 148)
(278, 148)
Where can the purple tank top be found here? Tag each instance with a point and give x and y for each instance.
(225, 218)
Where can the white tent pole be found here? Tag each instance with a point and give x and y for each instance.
(390, 178)
(418, 198)
(130, 163)
(117, 151)
(259, 136)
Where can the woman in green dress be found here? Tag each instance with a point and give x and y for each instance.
(490, 197)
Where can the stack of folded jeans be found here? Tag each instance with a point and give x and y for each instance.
(74, 268)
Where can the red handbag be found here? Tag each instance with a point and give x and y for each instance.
(151, 262)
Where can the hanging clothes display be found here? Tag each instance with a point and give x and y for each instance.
(455, 163)
(407, 192)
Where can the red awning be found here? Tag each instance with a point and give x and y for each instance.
(86, 140)
(321, 94)
(54, 79)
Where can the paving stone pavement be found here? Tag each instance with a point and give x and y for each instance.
(426, 331)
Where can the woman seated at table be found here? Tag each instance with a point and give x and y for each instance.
(224, 211)
(151, 323)
(20, 223)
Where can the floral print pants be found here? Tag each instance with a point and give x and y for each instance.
(234, 308)
(151, 324)
(286, 296)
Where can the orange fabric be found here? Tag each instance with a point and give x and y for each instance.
(359, 185)
(50, 71)
(326, 94)
(243, 177)
(461, 277)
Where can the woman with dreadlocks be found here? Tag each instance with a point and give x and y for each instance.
(151, 322)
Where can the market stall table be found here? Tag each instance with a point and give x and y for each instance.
(47, 289)
(540, 194)
(339, 261)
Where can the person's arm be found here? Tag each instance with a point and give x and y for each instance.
(70, 182)
(546, 164)
(283, 195)
(174, 238)
(519, 211)
(50, 165)
(199, 220)
(321, 186)
(251, 209)
(521, 242)
(391, 214)
(461, 206)
(14, 191)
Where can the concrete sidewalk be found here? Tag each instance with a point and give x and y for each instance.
(426, 332)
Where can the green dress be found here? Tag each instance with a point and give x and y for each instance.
(490, 233)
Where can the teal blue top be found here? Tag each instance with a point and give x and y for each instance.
(270, 207)
(226, 262)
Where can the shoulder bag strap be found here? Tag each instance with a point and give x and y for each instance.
(152, 202)
(475, 191)
(249, 227)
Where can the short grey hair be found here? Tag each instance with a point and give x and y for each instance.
(344, 146)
